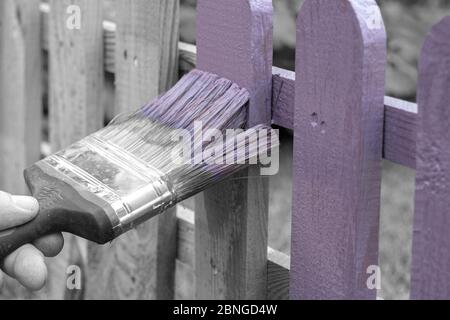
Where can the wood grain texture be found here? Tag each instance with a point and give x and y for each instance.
(400, 115)
(20, 91)
(234, 40)
(75, 103)
(141, 263)
(138, 39)
(283, 96)
(146, 43)
(400, 125)
(431, 237)
(341, 58)
(76, 73)
(277, 265)
(278, 280)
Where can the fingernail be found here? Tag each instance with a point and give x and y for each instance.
(29, 204)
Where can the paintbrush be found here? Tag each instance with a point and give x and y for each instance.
(142, 163)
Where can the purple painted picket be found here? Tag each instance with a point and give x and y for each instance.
(431, 244)
(234, 40)
(341, 56)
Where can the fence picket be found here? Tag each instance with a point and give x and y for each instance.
(341, 56)
(75, 96)
(431, 237)
(234, 40)
(140, 264)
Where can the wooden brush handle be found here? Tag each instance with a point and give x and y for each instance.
(62, 208)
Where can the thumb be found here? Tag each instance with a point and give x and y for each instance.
(16, 210)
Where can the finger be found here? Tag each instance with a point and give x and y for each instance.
(27, 265)
(50, 245)
(16, 210)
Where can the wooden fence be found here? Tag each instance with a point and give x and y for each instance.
(343, 127)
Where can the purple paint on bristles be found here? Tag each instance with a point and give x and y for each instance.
(201, 96)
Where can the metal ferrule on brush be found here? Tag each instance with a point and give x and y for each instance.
(134, 190)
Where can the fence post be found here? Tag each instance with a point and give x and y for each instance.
(341, 56)
(141, 263)
(20, 91)
(234, 40)
(20, 96)
(431, 237)
(75, 101)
